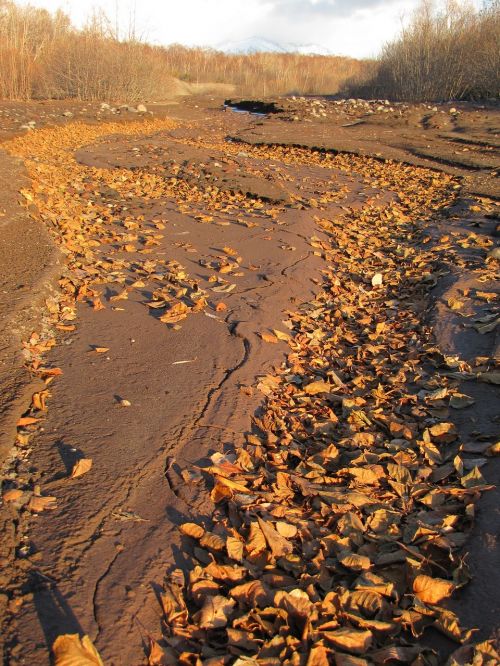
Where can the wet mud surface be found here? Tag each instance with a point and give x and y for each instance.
(148, 401)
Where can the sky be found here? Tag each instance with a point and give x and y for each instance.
(357, 28)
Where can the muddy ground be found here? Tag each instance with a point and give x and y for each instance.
(148, 401)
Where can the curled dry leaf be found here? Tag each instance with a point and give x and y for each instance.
(461, 401)
(279, 546)
(157, 655)
(443, 432)
(432, 590)
(354, 561)
(212, 541)
(314, 388)
(39, 400)
(268, 337)
(215, 612)
(318, 656)
(81, 467)
(39, 503)
(192, 530)
(356, 641)
(12, 495)
(26, 421)
(71, 650)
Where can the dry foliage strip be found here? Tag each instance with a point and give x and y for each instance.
(448, 54)
(339, 524)
(43, 56)
(452, 53)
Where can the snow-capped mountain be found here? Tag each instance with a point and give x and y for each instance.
(261, 45)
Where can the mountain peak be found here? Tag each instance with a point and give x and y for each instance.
(262, 45)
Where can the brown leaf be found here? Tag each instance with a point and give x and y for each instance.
(215, 612)
(296, 602)
(157, 655)
(269, 337)
(461, 401)
(354, 561)
(71, 650)
(253, 594)
(176, 313)
(121, 296)
(192, 530)
(279, 546)
(443, 432)
(356, 641)
(39, 503)
(318, 656)
(235, 548)
(12, 495)
(432, 590)
(26, 421)
(256, 542)
(317, 387)
(212, 541)
(38, 400)
(81, 467)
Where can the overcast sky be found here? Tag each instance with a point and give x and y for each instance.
(346, 27)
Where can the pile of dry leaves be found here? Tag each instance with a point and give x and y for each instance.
(338, 526)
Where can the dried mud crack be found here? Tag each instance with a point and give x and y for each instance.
(283, 437)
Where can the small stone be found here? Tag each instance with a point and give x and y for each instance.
(141, 108)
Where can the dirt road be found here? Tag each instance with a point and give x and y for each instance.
(184, 257)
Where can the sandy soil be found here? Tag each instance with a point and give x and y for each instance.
(94, 563)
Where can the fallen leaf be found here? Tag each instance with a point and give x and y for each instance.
(192, 530)
(71, 650)
(215, 612)
(39, 503)
(39, 400)
(317, 387)
(443, 432)
(461, 401)
(26, 421)
(432, 590)
(269, 337)
(12, 495)
(81, 467)
(279, 546)
(356, 641)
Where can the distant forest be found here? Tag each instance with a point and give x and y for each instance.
(440, 55)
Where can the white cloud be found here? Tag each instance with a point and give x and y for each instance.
(351, 27)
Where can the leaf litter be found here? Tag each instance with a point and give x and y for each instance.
(338, 525)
